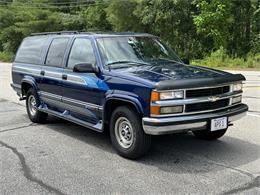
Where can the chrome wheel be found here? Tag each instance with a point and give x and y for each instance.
(124, 132)
(32, 105)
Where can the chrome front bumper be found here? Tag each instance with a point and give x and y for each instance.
(158, 126)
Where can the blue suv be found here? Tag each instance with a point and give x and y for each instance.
(130, 84)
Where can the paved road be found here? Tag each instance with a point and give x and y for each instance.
(62, 158)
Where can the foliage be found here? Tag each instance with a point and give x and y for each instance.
(214, 20)
(196, 29)
(6, 56)
(95, 17)
(220, 59)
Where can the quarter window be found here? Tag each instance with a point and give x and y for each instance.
(56, 52)
(30, 50)
(81, 52)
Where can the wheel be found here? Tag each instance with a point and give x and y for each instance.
(209, 135)
(32, 102)
(126, 133)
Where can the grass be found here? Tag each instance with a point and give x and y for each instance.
(220, 60)
(6, 57)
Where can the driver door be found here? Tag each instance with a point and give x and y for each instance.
(81, 94)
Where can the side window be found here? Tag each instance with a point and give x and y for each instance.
(56, 52)
(30, 50)
(81, 52)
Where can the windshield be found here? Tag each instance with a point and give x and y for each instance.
(134, 50)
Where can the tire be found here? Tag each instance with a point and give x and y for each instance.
(32, 102)
(209, 135)
(125, 125)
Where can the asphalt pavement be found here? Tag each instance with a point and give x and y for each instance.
(60, 157)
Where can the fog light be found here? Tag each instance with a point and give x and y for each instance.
(171, 109)
(236, 100)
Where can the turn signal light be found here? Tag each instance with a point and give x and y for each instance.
(155, 96)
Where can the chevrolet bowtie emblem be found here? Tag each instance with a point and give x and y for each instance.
(213, 98)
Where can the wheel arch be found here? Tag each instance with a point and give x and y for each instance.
(113, 102)
(26, 84)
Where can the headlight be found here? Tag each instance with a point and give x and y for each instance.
(237, 87)
(167, 95)
(171, 95)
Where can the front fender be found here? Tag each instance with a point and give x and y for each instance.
(127, 97)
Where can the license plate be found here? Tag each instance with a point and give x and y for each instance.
(218, 124)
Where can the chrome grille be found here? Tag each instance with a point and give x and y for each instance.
(201, 100)
(207, 91)
(206, 106)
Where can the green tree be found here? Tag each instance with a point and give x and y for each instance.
(172, 20)
(95, 18)
(120, 15)
(214, 20)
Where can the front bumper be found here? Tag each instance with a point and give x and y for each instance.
(158, 126)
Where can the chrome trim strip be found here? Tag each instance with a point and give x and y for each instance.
(212, 86)
(192, 113)
(159, 126)
(193, 100)
(159, 130)
(83, 104)
(66, 100)
(49, 95)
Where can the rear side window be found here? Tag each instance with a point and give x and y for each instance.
(31, 50)
(56, 52)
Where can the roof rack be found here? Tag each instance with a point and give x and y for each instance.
(55, 33)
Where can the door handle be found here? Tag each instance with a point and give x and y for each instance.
(42, 72)
(64, 77)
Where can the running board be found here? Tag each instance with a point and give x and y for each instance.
(65, 115)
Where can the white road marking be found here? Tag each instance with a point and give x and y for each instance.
(256, 115)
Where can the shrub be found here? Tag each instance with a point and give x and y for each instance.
(6, 56)
(219, 59)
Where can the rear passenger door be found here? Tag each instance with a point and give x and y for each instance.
(51, 84)
(81, 92)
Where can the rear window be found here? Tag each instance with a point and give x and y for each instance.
(30, 50)
(56, 52)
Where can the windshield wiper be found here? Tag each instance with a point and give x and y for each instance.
(127, 62)
(169, 60)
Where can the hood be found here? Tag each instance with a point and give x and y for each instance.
(173, 71)
(175, 75)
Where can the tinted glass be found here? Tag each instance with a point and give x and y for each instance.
(56, 52)
(30, 50)
(81, 52)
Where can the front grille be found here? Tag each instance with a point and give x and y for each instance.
(206, 92)
(206, 105)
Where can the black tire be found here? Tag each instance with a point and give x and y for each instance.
(209, 135)
(141, 142)
(37, 116)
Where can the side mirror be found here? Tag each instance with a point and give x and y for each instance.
(186, 61)
(85, 68)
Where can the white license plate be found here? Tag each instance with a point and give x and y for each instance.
(218, 124)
